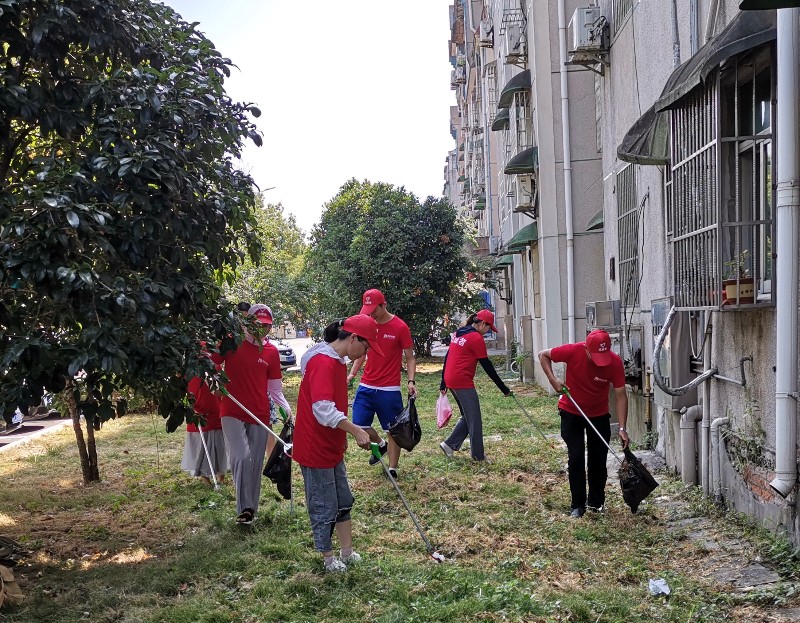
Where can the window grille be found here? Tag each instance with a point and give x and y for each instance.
(521, 123)
(620, 10)
(491, 89)
(628, 235)
(721, 187)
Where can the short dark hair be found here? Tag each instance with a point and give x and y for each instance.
(244, 306)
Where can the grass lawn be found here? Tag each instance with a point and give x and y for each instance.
(149, 544)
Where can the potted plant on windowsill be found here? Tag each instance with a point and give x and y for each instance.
(738, 285)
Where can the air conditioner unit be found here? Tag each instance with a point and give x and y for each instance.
(486, 34)
(602, 314)
(515, 39)
(588, 30)
(494, 245)
(525, 191)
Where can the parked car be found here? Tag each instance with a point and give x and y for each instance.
(288, 358)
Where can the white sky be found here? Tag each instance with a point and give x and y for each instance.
(347, 88)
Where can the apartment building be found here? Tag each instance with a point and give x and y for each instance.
(632, 183)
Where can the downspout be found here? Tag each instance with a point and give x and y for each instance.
(716, 464)
(712, 20)
(676, 39)
(565, 141)
(705, 430)
(786, 227)
(689, 419)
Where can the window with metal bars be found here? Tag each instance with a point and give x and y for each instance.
(628, 237)
(620, 10)
(721, 187)
(521, 122)
(491, 90)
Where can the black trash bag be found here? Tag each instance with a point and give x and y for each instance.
(636, 482)
(279, 465)
(406, 430)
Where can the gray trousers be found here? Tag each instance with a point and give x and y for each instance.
(246, 444)
(469, 423)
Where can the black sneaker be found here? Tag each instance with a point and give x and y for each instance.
(393, 473)
(383, 449)
(577, 513)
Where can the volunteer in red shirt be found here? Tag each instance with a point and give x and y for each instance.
(195, 461)
(592, 368)
(254, 376)
(320, 434)
(466, 350)
(379, 390)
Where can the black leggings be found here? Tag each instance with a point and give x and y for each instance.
(572, 432)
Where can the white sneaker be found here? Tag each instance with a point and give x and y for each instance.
(448, 451)
(335, 566)
(354, 557)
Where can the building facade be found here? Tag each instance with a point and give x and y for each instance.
(629, 155)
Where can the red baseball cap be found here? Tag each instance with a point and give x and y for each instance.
(371, 299)
(599, 344)
(364, 326)
(261, 312)
(487, 317)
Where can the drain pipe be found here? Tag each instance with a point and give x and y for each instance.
(706, 426)
(712, 20)
(565, 141)
(689, 419)
(787, 207)
(716, 461)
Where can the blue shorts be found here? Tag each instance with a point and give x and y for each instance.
(386, 403)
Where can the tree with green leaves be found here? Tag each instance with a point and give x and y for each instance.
(121, 206)
(278, 279)
(375, 235)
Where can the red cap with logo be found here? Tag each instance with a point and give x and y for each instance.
(366, 327)
(261, 312)
(599, 345)
(487, 317)
(371, 299)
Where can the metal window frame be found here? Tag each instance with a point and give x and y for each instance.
(628, 236)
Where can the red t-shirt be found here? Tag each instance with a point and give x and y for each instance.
(206, 404)
(249, 368)
(588, 383)
(393, 338)
(315, 445)
(462, 359)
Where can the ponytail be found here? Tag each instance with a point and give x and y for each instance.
(472, 319)
(334, 331)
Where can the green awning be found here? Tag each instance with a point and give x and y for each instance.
(503, 260)
(480, 203)
(461, 178)
(520, 82)
(647, 141)
(526, 161)
(519, 242)
(501, 120)
(745, 32)
(596, 223)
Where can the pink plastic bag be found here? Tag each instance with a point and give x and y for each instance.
(443, 411)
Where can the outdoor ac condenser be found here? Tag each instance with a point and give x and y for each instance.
(587, 30)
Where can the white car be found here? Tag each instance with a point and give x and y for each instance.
(288, 358)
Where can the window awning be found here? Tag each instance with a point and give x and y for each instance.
(501, 120)
(745, 32)
(519, 242)
(757, 5)
(526, 161)
(503, 260)
(647, 141)
(596, 223)
(520, 82)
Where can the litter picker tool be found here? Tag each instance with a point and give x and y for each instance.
(208, 458)
(634, 478)
(376, 452)
(287, 447)
(538, 430)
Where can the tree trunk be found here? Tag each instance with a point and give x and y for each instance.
(90, 474)
(92, 447)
